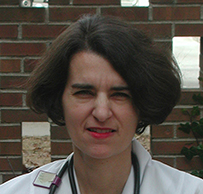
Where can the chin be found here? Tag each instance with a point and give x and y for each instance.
(101, 156)
(103, 153)
(97, 153)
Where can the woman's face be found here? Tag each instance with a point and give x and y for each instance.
(98, 109)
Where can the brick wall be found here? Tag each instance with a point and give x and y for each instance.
(26, 32)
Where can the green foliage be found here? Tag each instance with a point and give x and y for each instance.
(186, 128)
(193, 151)
(193, 113)
(196, 128)
(198, 99)
(200, 79)
(198, 173)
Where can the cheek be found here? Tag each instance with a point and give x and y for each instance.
(71, 115)
(130, 118)
(75, 115)
(71, 121)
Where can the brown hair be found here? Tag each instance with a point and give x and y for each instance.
(150, 72)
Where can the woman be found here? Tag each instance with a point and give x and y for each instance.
(105, 81)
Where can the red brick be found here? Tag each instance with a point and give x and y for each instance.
(8, 31)
(186, 97)
(10, 132)
(5, 163)
(183, 164)
(189, 1)
(7, 177)
(13, 82)
(161, 1)
(42, 31)
(127, 13)
(16, 14)
(18, 116)
(10, 65)
(59, 132)
(168, 161)
(10, 99)
(162, 131)
(10, 148)
(29, 64)
(61, 148)
(201, 65)
(10, 2)
(167, 148)
(70, 13)
(22, 49)
(59, 2)
(176, 13)
(188, 30)
(177, 115)
(96, 2)
(156, 30)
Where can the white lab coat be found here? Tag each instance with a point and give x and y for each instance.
(155, 178)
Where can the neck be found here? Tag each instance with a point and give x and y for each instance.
(99, 176)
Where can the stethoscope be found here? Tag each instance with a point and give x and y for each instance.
(69, 165)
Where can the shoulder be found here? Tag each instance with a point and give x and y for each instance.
(24, 184)
(171, 180)
(158, 178)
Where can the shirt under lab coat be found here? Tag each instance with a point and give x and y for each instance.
(155, 178)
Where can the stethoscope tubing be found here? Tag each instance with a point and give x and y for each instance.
(60, 174)
(71, 176)
(69, 165)
(136, 167)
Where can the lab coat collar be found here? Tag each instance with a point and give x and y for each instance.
(144, 158)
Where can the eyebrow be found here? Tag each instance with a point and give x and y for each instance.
(89, 86)
(82, 86)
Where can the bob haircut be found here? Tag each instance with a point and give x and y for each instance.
(150, 72)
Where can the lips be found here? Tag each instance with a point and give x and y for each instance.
(101, 133)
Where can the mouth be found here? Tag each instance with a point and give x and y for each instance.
(101, 130)
(101, 133)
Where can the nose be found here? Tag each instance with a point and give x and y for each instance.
(102, 110)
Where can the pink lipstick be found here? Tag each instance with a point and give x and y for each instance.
(101, 133)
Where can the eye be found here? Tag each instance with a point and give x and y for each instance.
(121, 95)
(83, 93)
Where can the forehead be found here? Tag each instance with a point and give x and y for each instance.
(90, 67)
